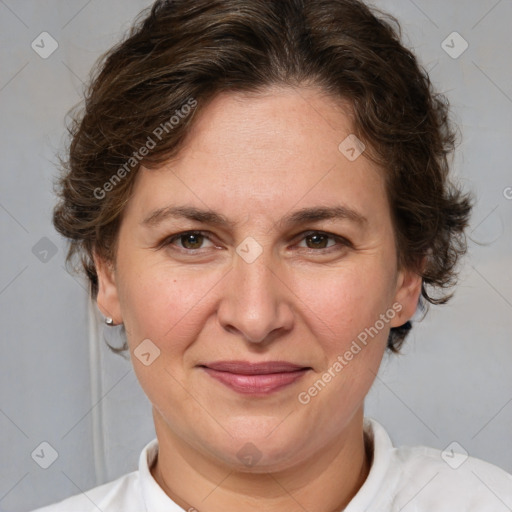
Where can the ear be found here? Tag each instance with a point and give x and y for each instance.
(408, 290)
(108, 298)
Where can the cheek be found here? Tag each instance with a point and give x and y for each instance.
(343, 302)
(162, 303)
(344, 316)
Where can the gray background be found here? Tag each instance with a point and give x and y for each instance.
(58, 382)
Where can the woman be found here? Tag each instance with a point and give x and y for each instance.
(258, 192)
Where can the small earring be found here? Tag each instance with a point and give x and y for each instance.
(109, 321)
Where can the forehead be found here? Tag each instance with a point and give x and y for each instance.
(272, 149)
(275, 120)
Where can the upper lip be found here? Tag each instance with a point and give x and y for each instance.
(248, 368)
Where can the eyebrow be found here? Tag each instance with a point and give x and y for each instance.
(211, 217)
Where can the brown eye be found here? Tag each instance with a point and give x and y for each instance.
(317, 241)
(192, 240)
(189, 241)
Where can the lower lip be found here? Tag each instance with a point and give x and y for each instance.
(256, 384)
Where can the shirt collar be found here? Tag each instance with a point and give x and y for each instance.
(153, 496)
(381, 457)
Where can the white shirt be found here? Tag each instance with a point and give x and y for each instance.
(406, 479)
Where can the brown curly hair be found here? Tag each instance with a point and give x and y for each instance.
(181, 50)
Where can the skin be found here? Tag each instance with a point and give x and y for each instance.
(254, 159)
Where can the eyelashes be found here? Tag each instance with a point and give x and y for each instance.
(197, 238)
(180, 236)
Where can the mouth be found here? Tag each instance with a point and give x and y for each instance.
(255, 378)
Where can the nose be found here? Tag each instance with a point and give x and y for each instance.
(256, 301)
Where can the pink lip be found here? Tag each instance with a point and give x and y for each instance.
(255, 378)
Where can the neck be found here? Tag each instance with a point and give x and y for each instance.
(327, 480)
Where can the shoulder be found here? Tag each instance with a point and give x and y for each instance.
(124, 494)
(423, 479)
(121, 494)
(446, 480)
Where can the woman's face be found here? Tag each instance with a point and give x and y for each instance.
(260, 282)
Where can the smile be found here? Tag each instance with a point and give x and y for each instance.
(255, 378)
